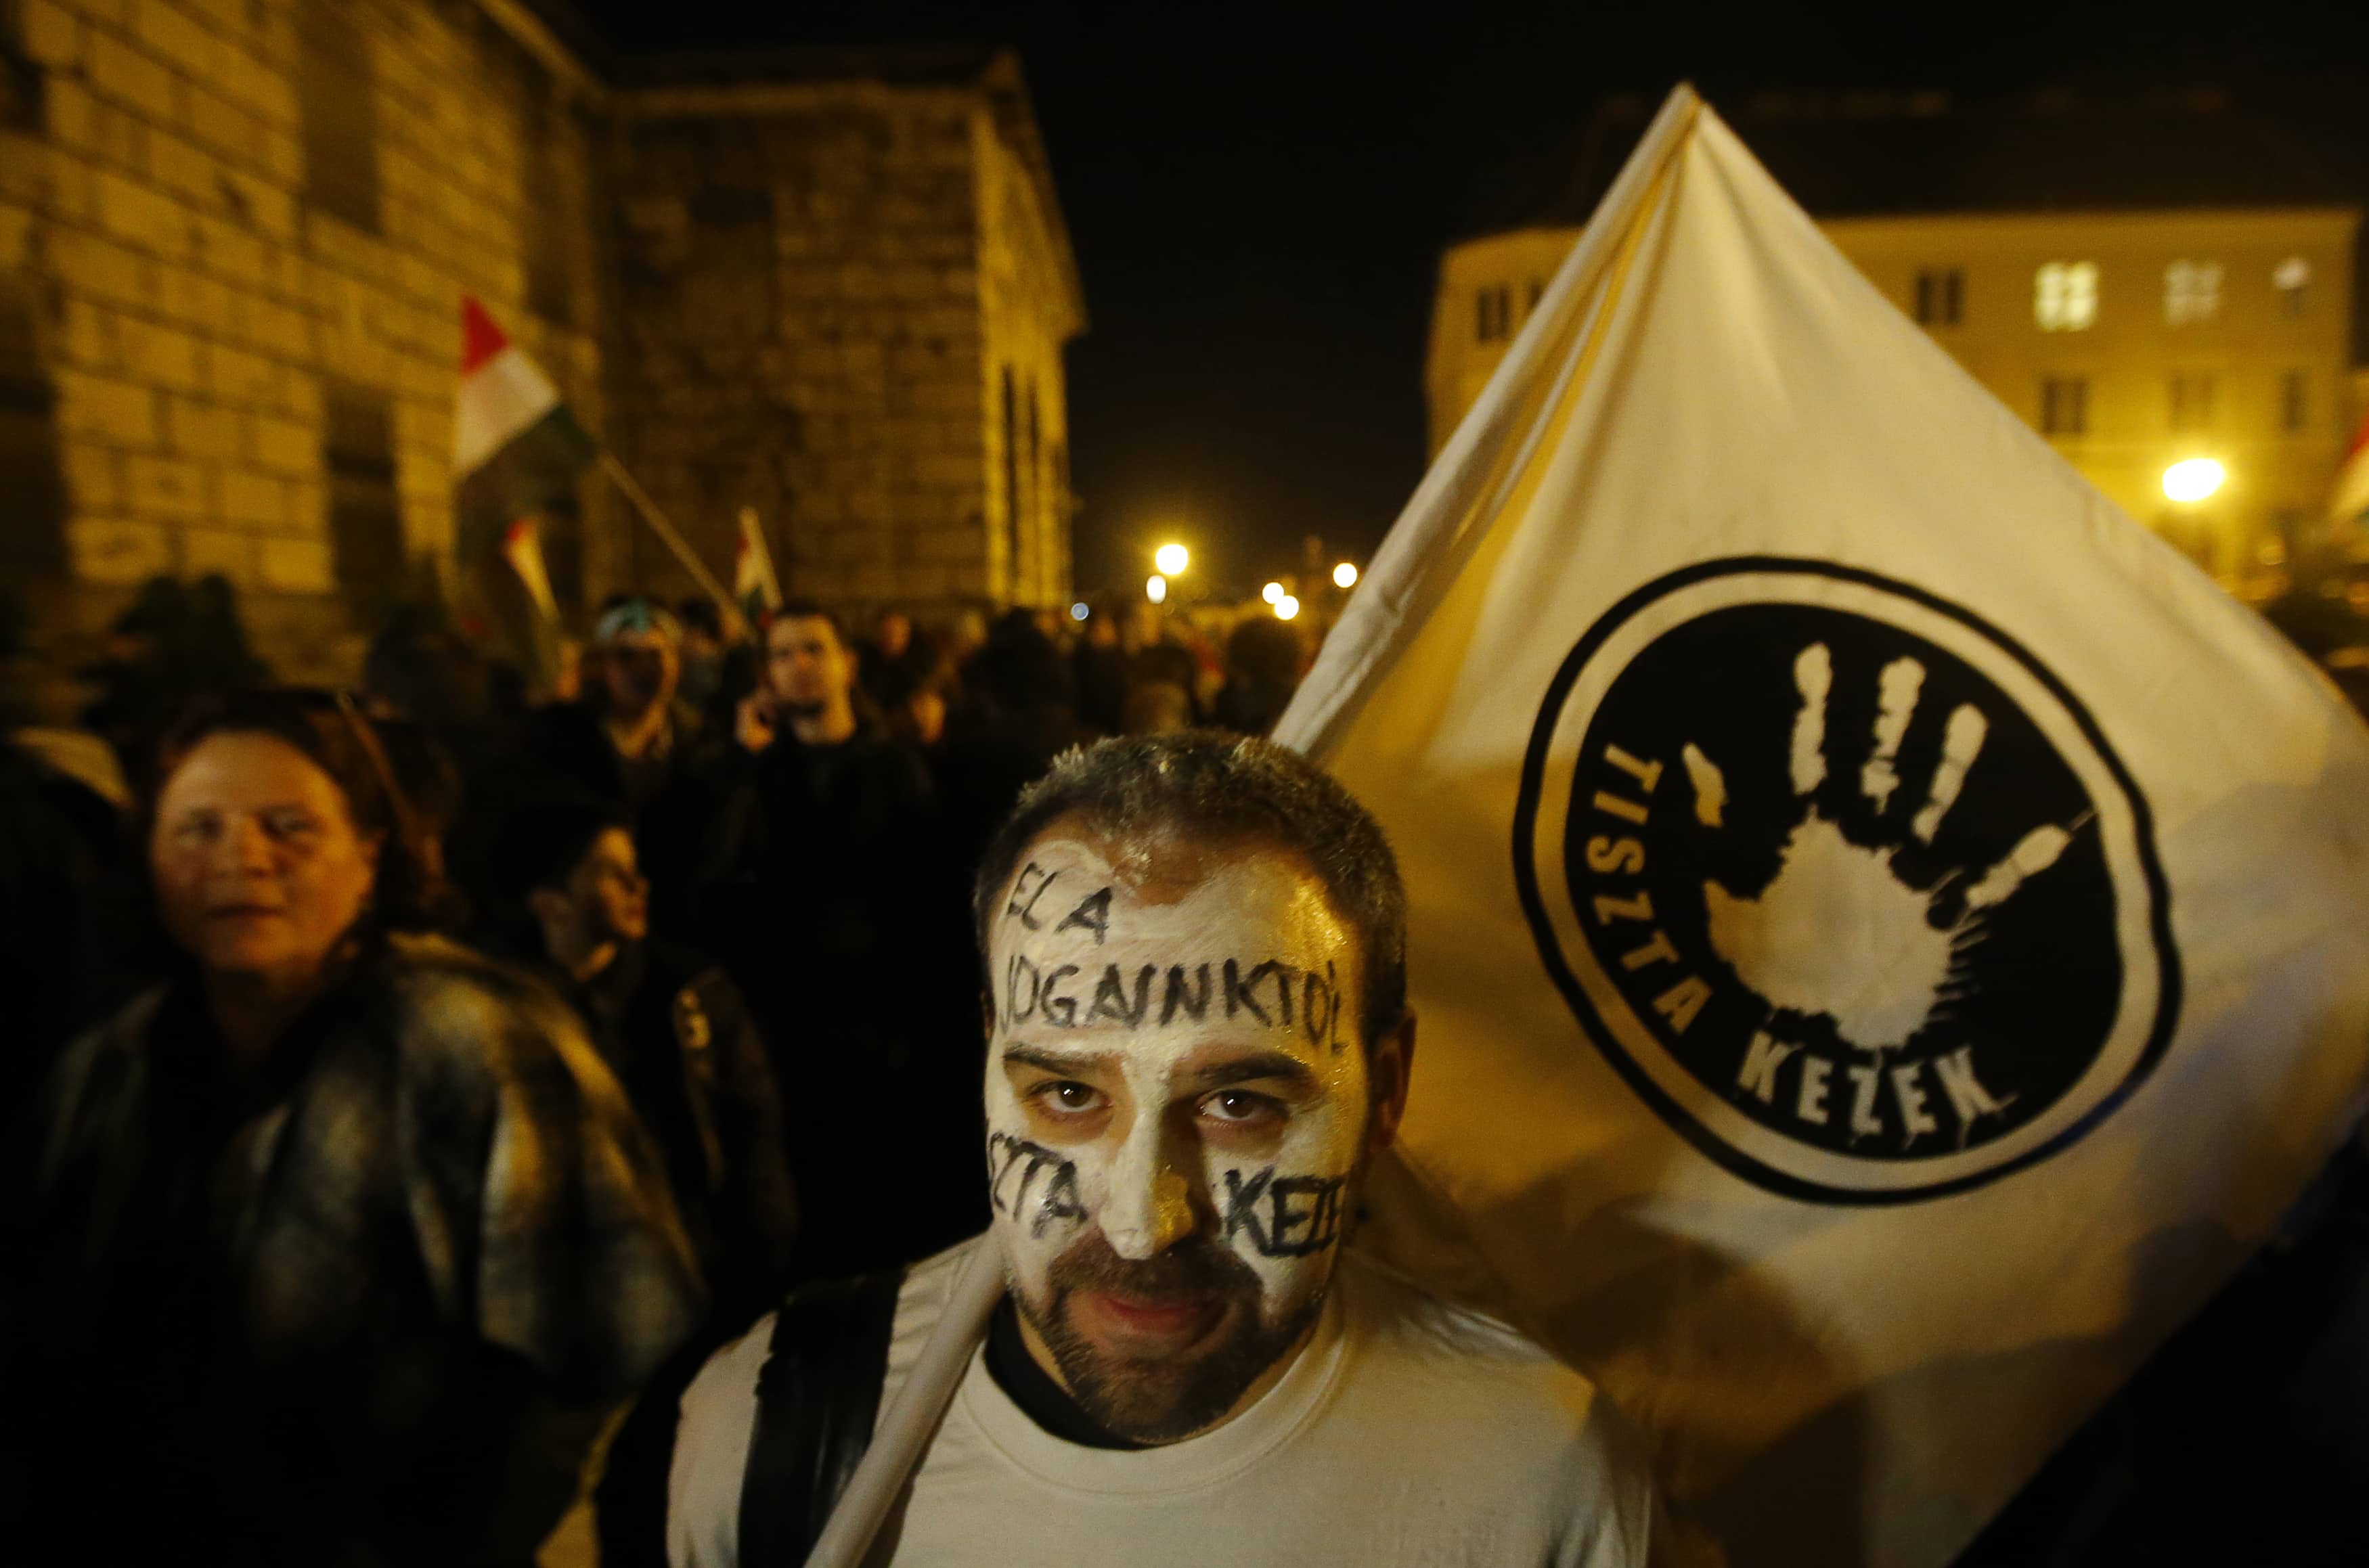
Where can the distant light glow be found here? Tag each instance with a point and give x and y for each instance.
(1272, 592)
(1155, 589)
(1079, 612)
(2193, 479)
(1344, 576)
(1172, 559)
(1286, 608)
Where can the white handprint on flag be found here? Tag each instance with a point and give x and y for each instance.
(1837, 931)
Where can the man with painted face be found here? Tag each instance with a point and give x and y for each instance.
(1198, 1038)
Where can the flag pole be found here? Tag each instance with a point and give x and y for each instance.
(665, 530)
(913, 1417)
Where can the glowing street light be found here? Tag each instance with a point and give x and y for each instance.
(1344, 576)
(1155, 589)
(1286, 608)
(1080, 611)
(1172, 559)
(2193, 479)
(1272, 592)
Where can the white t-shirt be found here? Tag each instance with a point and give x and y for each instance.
(1407, 1431)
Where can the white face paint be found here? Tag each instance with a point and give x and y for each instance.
(1174, 1052)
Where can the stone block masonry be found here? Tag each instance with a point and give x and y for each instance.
(833, 289)
(201, 285)
(813, 271)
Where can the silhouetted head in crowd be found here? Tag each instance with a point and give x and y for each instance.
(892, 634)
(702, 650)
(1157, 707)
(914, 700)
(1265, 650)
(419, 668)
(1262, 671)
(1105, 624)
(1020, 668)
(701, 622)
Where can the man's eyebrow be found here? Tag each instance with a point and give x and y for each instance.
(1051, 1061)
(1258, 1065)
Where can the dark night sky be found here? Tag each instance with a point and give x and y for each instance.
(1258, 193)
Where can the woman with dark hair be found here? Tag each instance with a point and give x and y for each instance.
(345, 1245)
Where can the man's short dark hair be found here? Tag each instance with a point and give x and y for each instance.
(545, 838)
(1203, 784)
(812, 610)
(698, 613)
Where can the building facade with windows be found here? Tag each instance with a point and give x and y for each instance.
(235, 233)
(2145, 288)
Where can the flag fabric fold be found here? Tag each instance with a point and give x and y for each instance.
(1889, 935)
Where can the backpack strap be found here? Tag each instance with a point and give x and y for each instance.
(816, 1400)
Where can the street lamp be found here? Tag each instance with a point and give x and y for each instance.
(1272, 592)
(2193, 479)
(1172, 559)
(1344, 576)
(1286, 608)
(1155, 589)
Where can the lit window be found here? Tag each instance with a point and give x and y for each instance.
(1493, 313)
(2291, 279)
(2064, 406)
(1940, 296)
(2064, 297)
(2192, 394)
(2192, 291)
(2294, 402)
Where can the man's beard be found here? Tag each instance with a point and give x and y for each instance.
(1159, 1401)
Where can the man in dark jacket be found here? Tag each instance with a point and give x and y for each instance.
(828, 898)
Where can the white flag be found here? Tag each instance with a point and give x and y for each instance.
(1889, 935)
(753, 583)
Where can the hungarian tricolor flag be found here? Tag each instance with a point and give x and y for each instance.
(2351, 502)
(517, 451)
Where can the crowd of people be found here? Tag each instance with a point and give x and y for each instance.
(411, 1076)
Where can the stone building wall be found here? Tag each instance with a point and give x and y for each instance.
(1030, 307)
(235, 234)
(821, 283)
(239, 230)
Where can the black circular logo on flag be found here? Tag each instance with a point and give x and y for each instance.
(1847, 886)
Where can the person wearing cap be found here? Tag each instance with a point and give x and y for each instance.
(638, 647)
